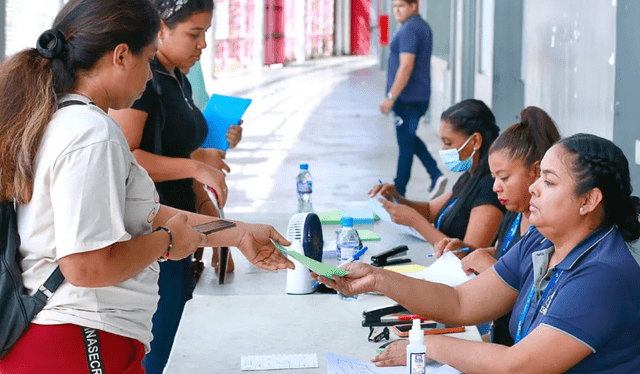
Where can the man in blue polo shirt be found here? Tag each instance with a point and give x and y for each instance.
(408, 92)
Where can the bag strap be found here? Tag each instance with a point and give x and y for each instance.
(50, 285)
(73, 102)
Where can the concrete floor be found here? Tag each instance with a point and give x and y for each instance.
(324, 113)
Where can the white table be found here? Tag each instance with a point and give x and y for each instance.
(216, 331)
(248, 279)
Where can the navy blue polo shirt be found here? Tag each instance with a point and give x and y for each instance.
(596, 299)
(415, 37)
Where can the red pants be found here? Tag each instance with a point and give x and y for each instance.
(60, 349)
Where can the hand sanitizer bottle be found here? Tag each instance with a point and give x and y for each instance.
(416, 350)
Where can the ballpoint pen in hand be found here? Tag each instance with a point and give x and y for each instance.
(392, 198)
(456, 251)
(351, 259)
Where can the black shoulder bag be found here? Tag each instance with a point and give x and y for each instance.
(16, 308)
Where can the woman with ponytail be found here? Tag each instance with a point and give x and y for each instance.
(470, 211)
(571, 281)
(84, 204)
(514, 161)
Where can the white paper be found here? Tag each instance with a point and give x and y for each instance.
(378, 209)
(447, 269)
(445, 369)
(278, 362)
(338, 364)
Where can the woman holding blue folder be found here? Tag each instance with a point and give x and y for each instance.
(165, 130)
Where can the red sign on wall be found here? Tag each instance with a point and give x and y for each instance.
(383, 21)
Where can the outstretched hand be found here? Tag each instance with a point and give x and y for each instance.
(255, 244)
(361, 279)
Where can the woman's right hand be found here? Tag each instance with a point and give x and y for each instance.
(213, 178)
(448, 245)
(361, 279)
(387, 190)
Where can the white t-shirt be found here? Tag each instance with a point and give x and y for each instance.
(89, 192)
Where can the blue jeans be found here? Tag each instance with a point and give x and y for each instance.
(410, 144)
(175, 285)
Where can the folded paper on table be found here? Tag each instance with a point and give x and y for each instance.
(330, 218)
(338, 364)
(368, 235)
(360, 216)
(447, 270)
(221, 113)
(405, 269)
(377, 208)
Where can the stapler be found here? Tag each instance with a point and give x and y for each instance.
(373, 317)
(383, 258)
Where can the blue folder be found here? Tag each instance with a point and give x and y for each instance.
(221, 113)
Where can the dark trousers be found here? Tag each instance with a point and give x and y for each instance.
(410, 144)
(175, 285)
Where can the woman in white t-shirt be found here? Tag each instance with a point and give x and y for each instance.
(84, 203)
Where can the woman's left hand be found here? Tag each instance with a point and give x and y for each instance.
(478, 261)
(255, 244)
(394, 355)
(401, 214)
(234, 135)
(211, 156)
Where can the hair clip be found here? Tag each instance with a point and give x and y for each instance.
(170, 7)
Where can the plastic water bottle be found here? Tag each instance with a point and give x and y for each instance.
(397, 120)
(416, 350)
(347, 243)
(305, 187)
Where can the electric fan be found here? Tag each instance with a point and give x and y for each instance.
(305, 234)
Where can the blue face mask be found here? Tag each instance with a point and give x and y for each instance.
(451, 158)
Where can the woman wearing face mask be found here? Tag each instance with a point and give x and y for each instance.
(165, 130)
(471, 211)
(572, 281)
(514, 160)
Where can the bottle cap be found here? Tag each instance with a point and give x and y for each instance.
(416, 335)
(304, 166)
(346, 221)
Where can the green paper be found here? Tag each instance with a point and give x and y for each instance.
(319, 268)
(368, 235)
(330, 218)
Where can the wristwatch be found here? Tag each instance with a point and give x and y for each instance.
(390, 96)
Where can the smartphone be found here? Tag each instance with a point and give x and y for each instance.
(214, 226)
(428, 328)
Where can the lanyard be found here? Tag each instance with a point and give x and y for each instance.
(527, 305)
(511, 235)
(445, 212)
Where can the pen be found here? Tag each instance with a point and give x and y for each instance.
(351, 259)
(405, 317)
(456, 251)
(392, 198)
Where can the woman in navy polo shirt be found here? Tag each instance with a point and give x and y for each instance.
(572, 282)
